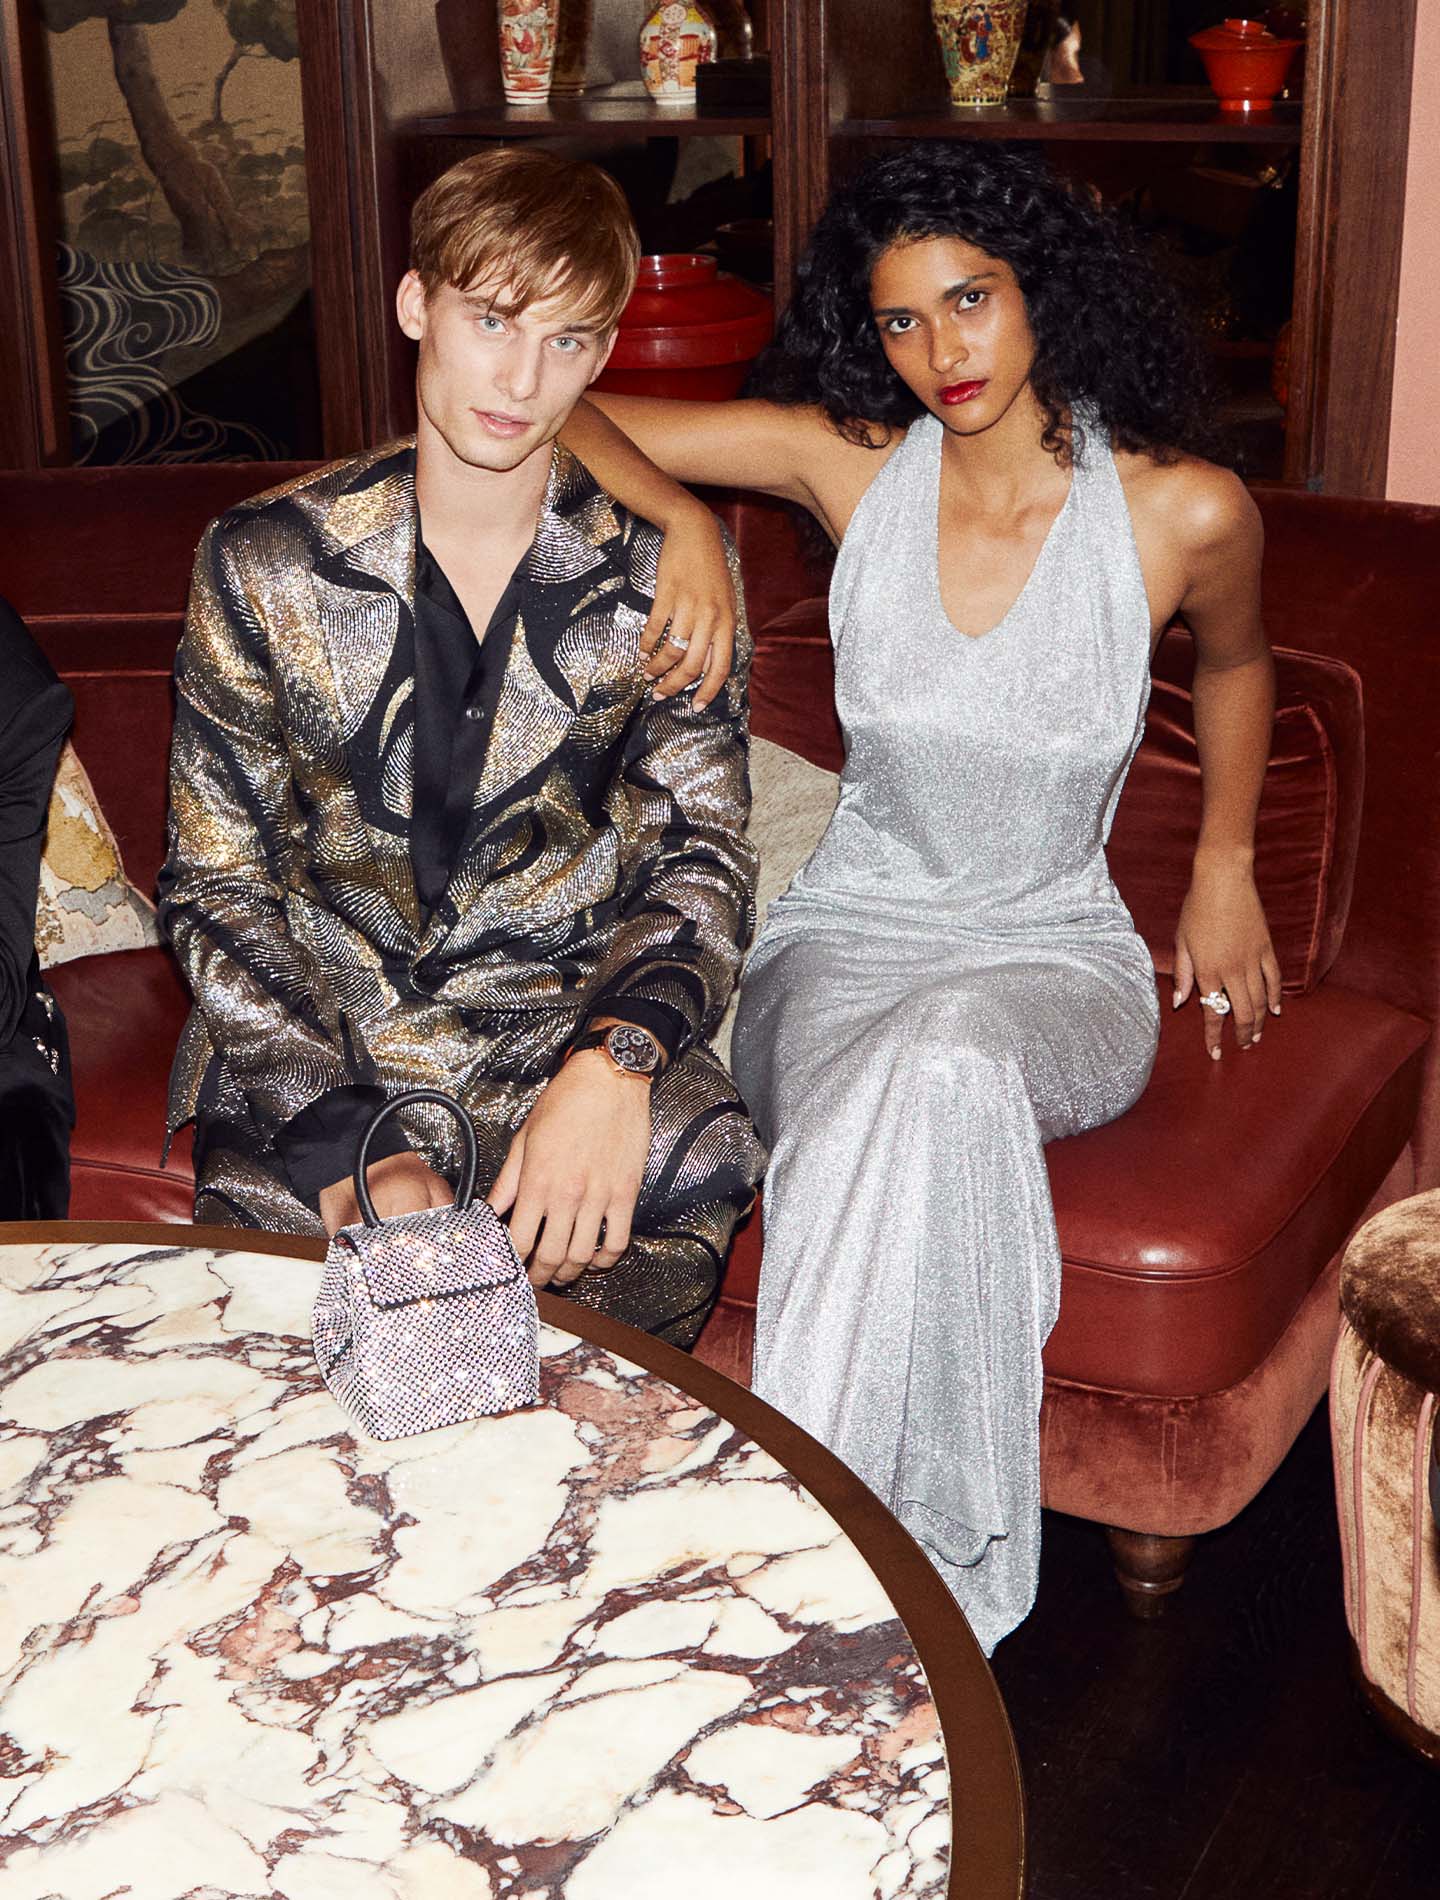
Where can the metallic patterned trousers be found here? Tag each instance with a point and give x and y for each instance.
(705, 1160)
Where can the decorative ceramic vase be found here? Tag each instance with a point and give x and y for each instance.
(688, 331)
(572, 47)
(527, 50)
(978, 43)
(676, 39)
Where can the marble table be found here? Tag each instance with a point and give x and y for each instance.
(646, 1640)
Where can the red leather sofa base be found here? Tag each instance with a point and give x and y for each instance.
(1192, 1228)
(1182, 1466)
(124, 1013)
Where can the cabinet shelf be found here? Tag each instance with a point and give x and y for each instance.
(596, 119)
(1128, 120)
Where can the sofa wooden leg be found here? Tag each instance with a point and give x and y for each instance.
(1150, 1569)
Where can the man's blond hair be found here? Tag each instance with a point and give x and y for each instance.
(530, 226)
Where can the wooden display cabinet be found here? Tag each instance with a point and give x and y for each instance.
(395, 90)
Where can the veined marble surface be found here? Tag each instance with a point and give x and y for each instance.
(606, 1648)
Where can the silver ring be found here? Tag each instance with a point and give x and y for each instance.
(1218, 1001)
(674, 640)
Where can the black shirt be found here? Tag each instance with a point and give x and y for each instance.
(457, 688)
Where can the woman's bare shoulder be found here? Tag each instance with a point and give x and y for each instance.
(1194, 502)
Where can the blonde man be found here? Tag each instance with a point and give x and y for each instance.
(435, 821)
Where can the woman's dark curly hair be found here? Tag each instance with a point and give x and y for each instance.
(1109, 331)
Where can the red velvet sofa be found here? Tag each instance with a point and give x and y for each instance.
(1201, 1232)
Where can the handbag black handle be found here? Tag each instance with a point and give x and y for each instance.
(470, 1159)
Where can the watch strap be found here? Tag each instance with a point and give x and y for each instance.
(588, 1039)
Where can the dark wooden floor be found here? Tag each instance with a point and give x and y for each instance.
(1219, 1753)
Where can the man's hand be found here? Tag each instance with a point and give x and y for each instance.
(577, 1160)
(691, 629)
(401, 1184)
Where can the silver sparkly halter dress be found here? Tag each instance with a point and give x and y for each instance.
(949, 983)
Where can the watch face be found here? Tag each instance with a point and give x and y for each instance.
(632, 1048)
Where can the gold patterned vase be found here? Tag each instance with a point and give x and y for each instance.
(677, 37)
(527, 50)
(978, 43)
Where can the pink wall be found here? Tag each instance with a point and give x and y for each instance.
(1414, 473)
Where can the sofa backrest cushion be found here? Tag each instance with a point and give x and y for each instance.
(97, 560)
(792, 687)
(1309, 824)
(83, 543)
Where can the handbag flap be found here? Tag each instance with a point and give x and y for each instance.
(435, 1253)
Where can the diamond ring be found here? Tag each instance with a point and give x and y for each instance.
(1218, 1001)
(675, 640)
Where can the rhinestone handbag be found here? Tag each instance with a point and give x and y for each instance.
(426, 1319)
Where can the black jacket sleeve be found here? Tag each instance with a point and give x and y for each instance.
(35, 714)
(318, 1146)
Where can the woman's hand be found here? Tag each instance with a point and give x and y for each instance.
(691, 629)
(1223, 943)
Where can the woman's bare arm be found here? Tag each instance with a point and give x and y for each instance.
(639, 447)
(1223, 941)
(691, 629)
(757, 445)
(795, 453)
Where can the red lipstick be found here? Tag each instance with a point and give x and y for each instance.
(961, 392)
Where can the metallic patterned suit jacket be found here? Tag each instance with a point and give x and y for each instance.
(605, 851)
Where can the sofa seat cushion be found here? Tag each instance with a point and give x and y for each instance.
(124, 1013)
(1192, 1227)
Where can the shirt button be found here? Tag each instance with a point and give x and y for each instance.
(472, 712)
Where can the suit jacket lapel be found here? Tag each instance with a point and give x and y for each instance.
(364, 586)
(553, 656)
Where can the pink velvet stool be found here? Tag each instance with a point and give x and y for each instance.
(1383, 1415)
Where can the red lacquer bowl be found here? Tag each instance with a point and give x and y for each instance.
(1245, 63)
(688, 331)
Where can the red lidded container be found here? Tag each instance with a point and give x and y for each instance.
(688, 331)
(1245, 63)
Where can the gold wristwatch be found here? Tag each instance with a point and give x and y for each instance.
(631, 1049)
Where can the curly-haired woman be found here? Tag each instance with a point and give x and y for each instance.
(991, 402)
